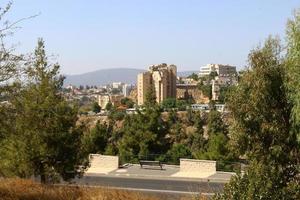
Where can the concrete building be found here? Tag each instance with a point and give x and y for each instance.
(205, 107)
(103, 100)
(222, 70)
(215, 89)
(162, 78)
(117, 85)
(144, 83)
(126, 89)
(116, 100)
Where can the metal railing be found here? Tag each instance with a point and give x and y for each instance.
(226, 166)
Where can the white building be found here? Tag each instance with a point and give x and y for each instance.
(222, 70)
(215, 89)
(117, 85)
(126, 89)
(205, 107)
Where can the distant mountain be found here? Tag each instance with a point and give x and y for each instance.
(106, 76)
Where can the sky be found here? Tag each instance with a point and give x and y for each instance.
(89, 35)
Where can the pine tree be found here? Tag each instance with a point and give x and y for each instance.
(48, 141)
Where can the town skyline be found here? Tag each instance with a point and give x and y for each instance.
(128, 35)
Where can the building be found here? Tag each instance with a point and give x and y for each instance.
(117, 85)
(226, 74)
(206, 107)
(126, 89)
(185, 80)
(222, 70)
(103, 100)
(161, 78)
(116, 100)
(215, 89)
(144, 83)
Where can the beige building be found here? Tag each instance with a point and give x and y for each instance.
(222, 70)
(215, 89)
(162, 78)
(103, 100)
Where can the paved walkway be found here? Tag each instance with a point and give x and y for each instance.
(168, 172)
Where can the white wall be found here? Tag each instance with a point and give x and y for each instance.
(198, 166)
(103, 164)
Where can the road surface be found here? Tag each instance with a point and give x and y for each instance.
(157, 187)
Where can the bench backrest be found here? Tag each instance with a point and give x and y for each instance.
(149, 162)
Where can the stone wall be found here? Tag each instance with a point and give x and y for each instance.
(103, 164)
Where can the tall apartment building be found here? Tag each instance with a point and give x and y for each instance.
(126, 89)
(162, 78)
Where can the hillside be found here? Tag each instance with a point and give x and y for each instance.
(106, 76)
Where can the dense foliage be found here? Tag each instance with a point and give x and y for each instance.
(42, 138)
(265, 122)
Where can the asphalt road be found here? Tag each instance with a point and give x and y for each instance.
(180, 187)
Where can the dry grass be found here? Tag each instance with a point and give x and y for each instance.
(20, 189)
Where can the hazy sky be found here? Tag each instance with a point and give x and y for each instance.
(97, 34)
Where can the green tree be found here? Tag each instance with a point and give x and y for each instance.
(206, 89)
(178, 151)
(212, 75)
(217, 144)
(48, 140)
(177, 133)
(224, 93)
(215, 123)
(194, 76)
(143, 133)
(10, 63)
(217, 148)
(261, 130)
(168, 103)
(172, 117)
(109, 106)
(97, 139)
(198, 122)
(150, 97)
(96, 108)
(181, 105)
(196, 141)
(127, 102)
(293, 69)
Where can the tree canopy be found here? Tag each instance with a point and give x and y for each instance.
(45, 132)
(261, 128)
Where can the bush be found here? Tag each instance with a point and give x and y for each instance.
(178, 151)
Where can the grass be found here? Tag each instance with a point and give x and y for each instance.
(22, 189)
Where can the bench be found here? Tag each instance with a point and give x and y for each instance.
(150, 163)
